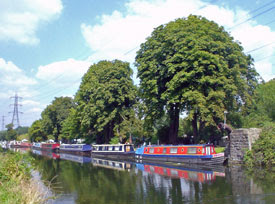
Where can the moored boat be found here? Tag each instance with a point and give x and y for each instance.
(36, 145)
(50, 146)
(203, 154)
(75, 148)
(25, 144)
(117, 151)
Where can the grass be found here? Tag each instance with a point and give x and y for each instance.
(219, 149)
(16, 185)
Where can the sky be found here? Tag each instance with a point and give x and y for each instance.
(46, 46)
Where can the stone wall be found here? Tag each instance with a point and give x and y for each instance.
(240, 141)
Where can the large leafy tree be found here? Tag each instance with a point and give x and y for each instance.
(105, 101)
(193, 65)
(55, 114)
(36, 134)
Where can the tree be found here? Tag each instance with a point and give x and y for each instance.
(55, 114)
(105, 101)
(11, 133)
(36, 134)
(263, 109)
(71, 126)
(193, 65)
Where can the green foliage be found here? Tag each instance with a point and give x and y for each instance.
(11, 133)
(114, 140)
(262, 153)
(22, 130)
(3, 135)
(36, 133)
(14, 169)
(55, 114)
(71, 126)
(105, 102)
(263, 109)
(193, 65)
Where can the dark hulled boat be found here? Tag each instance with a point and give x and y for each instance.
(203, 154)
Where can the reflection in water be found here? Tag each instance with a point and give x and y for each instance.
(75, 158)
(116, 165)
(187, 173)
(107, 181)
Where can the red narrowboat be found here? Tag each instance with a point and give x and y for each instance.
(50, 146)
(197, 154)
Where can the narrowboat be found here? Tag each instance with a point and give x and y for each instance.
(186, 173)
(116, 151)
(50, 146)
(75, 158)
(203, 154)
(36, 145)
(75, 148)
(25, 145)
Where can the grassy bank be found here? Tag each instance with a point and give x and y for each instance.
(16, 185)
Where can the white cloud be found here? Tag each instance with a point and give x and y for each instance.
(30, 103)
(19, 19)
(63, 72)
(13, 77)
(118, 36)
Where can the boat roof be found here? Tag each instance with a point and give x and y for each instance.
(111, 144)
(180, 145)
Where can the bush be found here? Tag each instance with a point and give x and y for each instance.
(262, 153)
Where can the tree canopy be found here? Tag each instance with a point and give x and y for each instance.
(54, 115)
(36, 134)
(105, 101)
(193, 65)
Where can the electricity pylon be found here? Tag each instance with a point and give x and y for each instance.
(15, 115)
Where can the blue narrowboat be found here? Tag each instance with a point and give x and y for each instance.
(196, 154)
(75, 148)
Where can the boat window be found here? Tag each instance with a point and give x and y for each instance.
(173, 150)
(110, 148)
(117, 148)
(192, 150)
(151, 150)
(164, 150)
(100, 148)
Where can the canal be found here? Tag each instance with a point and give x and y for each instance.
(78, 179)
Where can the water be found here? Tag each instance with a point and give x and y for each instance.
(76, 179)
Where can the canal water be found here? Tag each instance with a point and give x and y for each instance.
(78, 179)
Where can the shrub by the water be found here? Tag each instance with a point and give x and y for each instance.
(263, 150)
(16, 185)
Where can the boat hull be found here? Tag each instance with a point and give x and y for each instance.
(217, 159)
(114, 155)
(80, 149)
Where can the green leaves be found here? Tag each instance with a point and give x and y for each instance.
(194, 63)
(106, 99)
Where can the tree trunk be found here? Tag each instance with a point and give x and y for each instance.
(195, 127)
(174, 123)
(109, 132)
